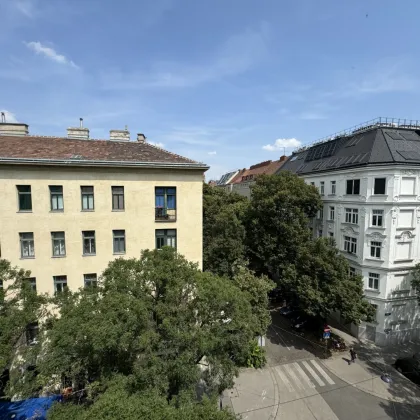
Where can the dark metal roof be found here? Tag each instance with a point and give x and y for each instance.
(374, 145)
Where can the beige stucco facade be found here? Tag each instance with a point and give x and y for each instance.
(137, 219)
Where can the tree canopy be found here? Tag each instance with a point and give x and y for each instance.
(312, 272)
(223, 230)
(415, 281)
(146, 330)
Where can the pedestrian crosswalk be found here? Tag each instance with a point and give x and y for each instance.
(301, 376)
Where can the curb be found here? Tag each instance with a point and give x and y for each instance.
(275, 409)
(375, 394)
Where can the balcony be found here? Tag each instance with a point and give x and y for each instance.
(163, 214)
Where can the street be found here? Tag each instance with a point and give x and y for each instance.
(300, 384)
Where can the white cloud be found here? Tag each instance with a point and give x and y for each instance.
(49, 53)
(10, 117)
(279, 144)
(212, 153)
(157, 144)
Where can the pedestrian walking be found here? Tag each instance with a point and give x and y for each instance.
(353, 355)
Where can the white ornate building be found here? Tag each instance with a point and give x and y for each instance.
(369, 179)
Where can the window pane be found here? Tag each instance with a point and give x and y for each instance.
(85, 202)
(60, 202)
(160, 201)
(90, 198)
(349, 187)
(356, 186)
(170, 200)
(121, 202)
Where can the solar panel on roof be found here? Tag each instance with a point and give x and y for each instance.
(310, 154)
(410, 135)
(409, 155)
(329, 149)
(394, 135)
(319, 151)
(353, 141)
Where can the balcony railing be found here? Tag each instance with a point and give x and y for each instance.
(163, 214)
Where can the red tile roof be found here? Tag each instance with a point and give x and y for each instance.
(268, 167)
(39, 148)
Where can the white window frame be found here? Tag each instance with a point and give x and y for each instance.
(89, 239)
(58, 240)
(27, 245)
(332, 213)
(90, 279)
(322, 188)
(375, 248)
(350, 244)
(352, 216)
(372, 278)
(61, 282)
(376, 217)
(333, 186)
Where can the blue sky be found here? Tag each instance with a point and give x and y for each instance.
(225, 82)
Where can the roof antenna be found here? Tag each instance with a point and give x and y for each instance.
(126, 128)
(81, 122)
(3, 117)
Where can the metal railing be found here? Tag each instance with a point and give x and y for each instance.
(163, 214)
(366, 126)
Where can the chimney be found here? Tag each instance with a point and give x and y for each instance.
(141, 138)
(80, 133)
(283, 158)
(12, 129)
(119, 135)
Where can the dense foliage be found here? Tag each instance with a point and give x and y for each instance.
(146, 330)
(415, 280)
(223, 230)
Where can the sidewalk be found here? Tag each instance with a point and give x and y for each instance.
(255, 395)
(366, 373)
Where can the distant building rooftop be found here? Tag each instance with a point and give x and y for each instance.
(379, 141)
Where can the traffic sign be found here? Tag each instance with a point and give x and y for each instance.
(327, 334)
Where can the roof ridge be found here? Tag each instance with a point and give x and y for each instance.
(171, 153)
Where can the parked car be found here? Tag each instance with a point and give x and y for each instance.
(409, 367)
(288, 311)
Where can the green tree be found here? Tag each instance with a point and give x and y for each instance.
(154, 322)
(415, 280)
(320, 283)
(20, 306)
(223, 230)
(277, 220)
(312, 272)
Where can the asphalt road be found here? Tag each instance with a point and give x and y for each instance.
(320, 393)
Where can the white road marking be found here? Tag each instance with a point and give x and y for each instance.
(321, 371)
(303, 375)
(313, 373)
(292, 375)
(284, 379)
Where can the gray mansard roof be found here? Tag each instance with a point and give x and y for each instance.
(366, 146)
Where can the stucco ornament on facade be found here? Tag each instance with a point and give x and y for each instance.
(405, 236)
(349, 230)
(418, 214)
(376, 236)
(409, 172)
(394, 213)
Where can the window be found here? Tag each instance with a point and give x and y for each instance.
(331, 234)
(320, 233)
(377, 218)
(350, 244)
(117, 198)
(58, 244)
(333, 187)
(32, 283)
(165, 203)
(313, 183)
(89, 247)
(332, 213)
(379, 187)
(375, 249)
(27, 246)
(353, 186)
(373, 281)
(87, 198)
(352, 271)
(60, 284)
(56, 195)
(91, 280)
(119, 241)
(165, 237)
(352, 216)
(25, 197)
(321, 214)
(322, 188)
(32, 330)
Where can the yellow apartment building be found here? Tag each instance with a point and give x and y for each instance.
(69, 206)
